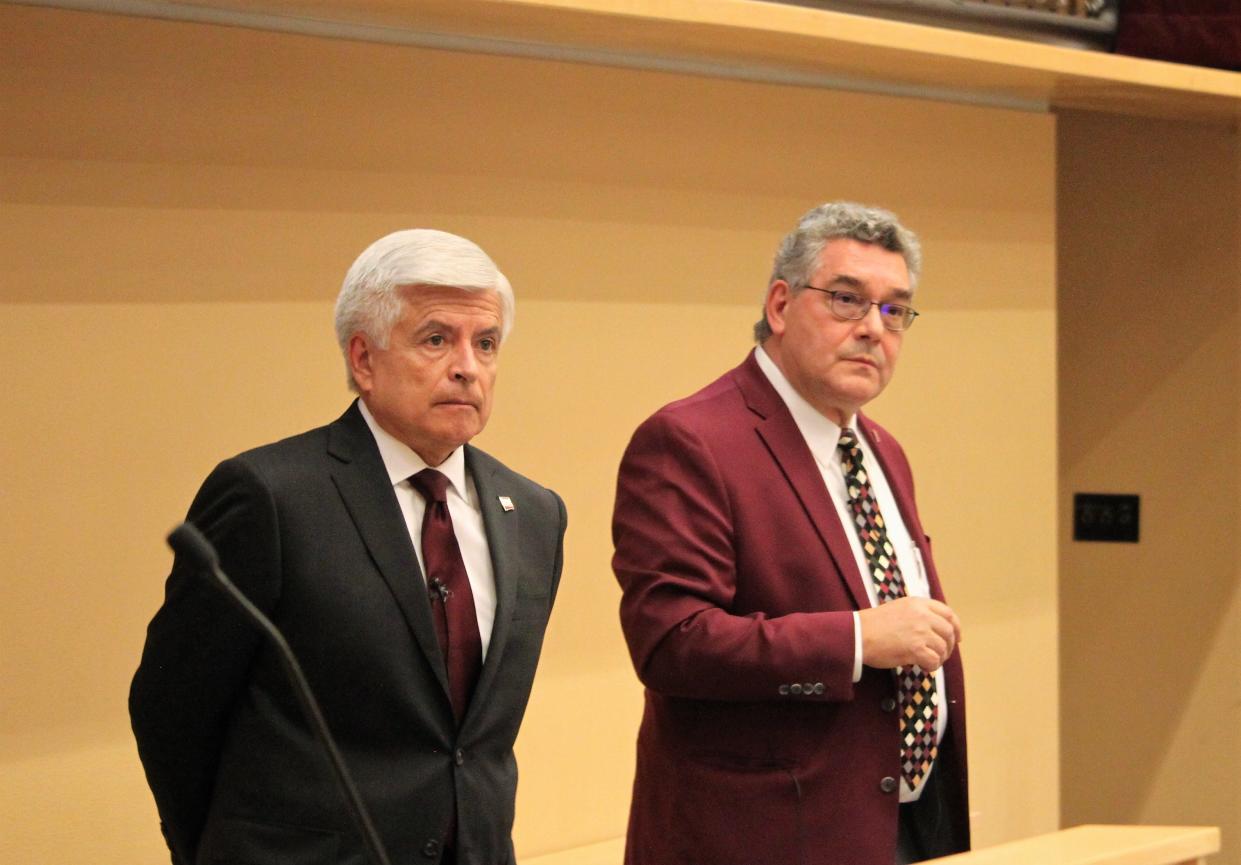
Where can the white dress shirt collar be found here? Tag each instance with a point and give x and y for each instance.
(401, 462)
(821, 434)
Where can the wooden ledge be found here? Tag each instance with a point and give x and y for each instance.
(751, 39)
(1101, 845)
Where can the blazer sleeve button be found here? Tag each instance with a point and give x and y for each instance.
(887, 704)
(808, 688)
(795, 688)
(431, 849)
(888, 784)
(818, 688)
(784, 690)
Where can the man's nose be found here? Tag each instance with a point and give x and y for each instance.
(464, 362)
(871, 324)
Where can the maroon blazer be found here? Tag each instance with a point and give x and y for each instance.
(739, 583)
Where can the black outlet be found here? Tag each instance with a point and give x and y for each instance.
(1105, 517)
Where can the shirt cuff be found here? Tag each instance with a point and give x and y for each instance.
(857, 648)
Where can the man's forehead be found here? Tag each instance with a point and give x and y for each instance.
(430, 297)
(417, 290)
(864, 265)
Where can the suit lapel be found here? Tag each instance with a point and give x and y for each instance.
(784, 440)
(501, 527)
(363, 484)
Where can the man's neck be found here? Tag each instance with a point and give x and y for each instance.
(839, 416)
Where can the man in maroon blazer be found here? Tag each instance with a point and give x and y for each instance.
(780, 600)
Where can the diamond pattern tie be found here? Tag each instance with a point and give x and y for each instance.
(452, 601)
(915, 689)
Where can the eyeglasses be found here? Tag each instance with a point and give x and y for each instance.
(851, 306)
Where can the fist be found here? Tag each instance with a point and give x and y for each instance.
(908, 631)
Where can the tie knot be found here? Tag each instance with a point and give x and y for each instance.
(432, 484)
(848, 439)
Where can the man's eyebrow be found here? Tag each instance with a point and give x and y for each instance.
(432, 324)
(846, 279)
(903, 294)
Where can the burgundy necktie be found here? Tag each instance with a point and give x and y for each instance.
(915, 689)
(452, 601)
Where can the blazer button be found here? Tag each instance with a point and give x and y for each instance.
(888, 784)
(818, 687)
(431, 849)
(795, 688)
(887, 704)
(458, 757)
(784, 690)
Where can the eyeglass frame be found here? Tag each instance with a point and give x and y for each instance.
(910, 312)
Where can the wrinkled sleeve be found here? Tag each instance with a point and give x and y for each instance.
(676, 536)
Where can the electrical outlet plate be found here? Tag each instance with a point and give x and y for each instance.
(1105, 517)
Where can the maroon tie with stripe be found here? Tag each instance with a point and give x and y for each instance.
(915, 689)
(452, 601)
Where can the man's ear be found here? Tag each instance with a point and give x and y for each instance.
(779, 293)
(360, 361)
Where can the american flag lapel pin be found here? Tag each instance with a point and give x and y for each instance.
(506, 503)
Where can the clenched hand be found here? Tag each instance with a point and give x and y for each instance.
(908, 631)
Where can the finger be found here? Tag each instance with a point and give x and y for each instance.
(940, 647)
(927, 659)
(943, 629)
(950, 646)
(956, 627)
(948, 614)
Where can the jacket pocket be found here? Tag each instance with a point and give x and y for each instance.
(738, 811)
(238, 841)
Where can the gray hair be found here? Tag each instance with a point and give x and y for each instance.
(798, 255)
(402, 262)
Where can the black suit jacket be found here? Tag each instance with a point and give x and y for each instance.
(310, 529)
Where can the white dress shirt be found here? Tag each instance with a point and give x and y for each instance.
(467, 516)
(822, 436)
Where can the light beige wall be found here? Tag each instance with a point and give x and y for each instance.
(1150, 403)
(177, 206)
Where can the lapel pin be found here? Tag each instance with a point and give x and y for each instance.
(506, 503)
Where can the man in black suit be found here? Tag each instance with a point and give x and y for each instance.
(423, 681)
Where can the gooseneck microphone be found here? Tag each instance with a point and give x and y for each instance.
(188, 542)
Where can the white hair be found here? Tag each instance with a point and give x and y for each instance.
(401, 263)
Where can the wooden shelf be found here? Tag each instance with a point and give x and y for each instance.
(1102, 845)
(749, 39)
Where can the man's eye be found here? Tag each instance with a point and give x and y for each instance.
(436, 339)
(894, 310)
(487, 344)
(848, 298)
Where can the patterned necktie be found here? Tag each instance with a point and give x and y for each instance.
(916, 692)
(452, 601)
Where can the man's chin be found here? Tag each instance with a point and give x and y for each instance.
(857, 394)
(453, 435)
